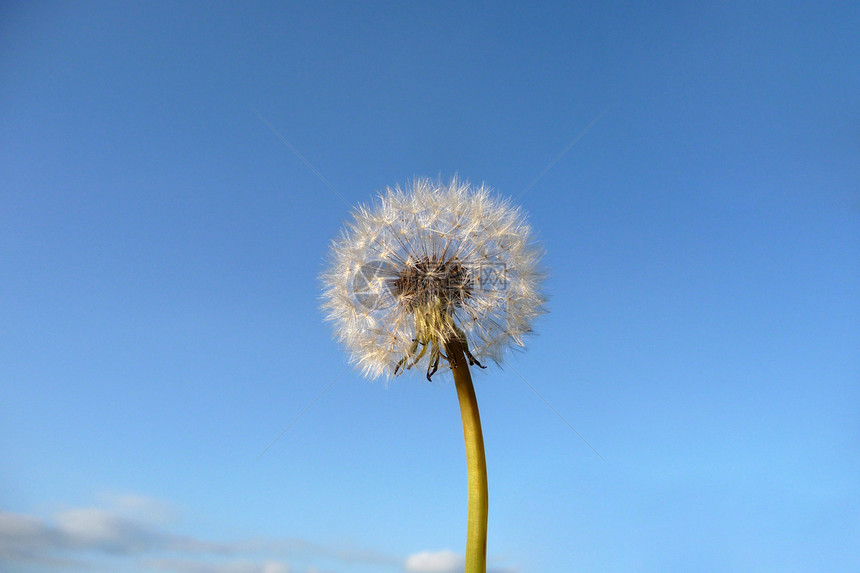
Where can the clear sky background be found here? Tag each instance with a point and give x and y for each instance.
(692, 170)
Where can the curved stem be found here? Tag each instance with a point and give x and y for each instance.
(476, 537)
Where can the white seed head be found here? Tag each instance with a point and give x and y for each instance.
(427, 264)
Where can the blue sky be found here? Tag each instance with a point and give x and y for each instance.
(691, 170)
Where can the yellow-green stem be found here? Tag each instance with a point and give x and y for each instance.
(476, 536)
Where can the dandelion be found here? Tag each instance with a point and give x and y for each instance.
(437, 277)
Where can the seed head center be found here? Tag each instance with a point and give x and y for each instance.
(433, 282)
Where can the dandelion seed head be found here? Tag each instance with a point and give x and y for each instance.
(429, 263)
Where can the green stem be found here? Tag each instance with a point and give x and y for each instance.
(476, 537)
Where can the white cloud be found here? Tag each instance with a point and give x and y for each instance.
(98, 529)
(243, 566)
(31, 538)
(21, 536)
(139, 507)
(15, 526)
(444, 561)
(132, 531)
